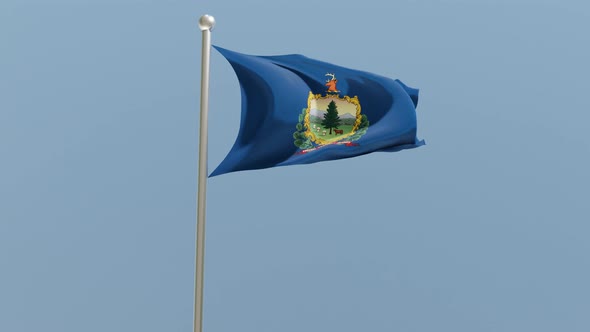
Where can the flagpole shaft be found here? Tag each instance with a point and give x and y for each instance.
(206, 23)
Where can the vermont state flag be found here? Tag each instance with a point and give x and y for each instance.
(297, 110)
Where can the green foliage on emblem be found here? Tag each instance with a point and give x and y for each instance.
(300, 140)
(361, 130)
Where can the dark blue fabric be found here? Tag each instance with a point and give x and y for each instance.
(275, 89)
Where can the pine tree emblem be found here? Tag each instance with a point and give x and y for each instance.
(329, 119)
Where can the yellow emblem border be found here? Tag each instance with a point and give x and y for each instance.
(318, 140)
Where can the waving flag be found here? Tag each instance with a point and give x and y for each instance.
(297, 110)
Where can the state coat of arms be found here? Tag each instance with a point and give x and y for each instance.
(330, 119)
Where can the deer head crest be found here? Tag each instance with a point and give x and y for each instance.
(332, 75)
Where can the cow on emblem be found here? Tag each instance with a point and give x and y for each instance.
(331, 83)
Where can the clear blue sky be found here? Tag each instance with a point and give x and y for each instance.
(483, 229)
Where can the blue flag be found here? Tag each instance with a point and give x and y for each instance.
(297, 110)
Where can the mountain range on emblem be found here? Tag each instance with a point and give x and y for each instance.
(316, 116)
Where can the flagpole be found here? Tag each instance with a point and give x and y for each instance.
(206, 23)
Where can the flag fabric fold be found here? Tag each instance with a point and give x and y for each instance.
(297, 110)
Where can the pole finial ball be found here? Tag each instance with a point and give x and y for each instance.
(206, 22)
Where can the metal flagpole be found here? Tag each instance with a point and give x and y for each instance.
(206, 23)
